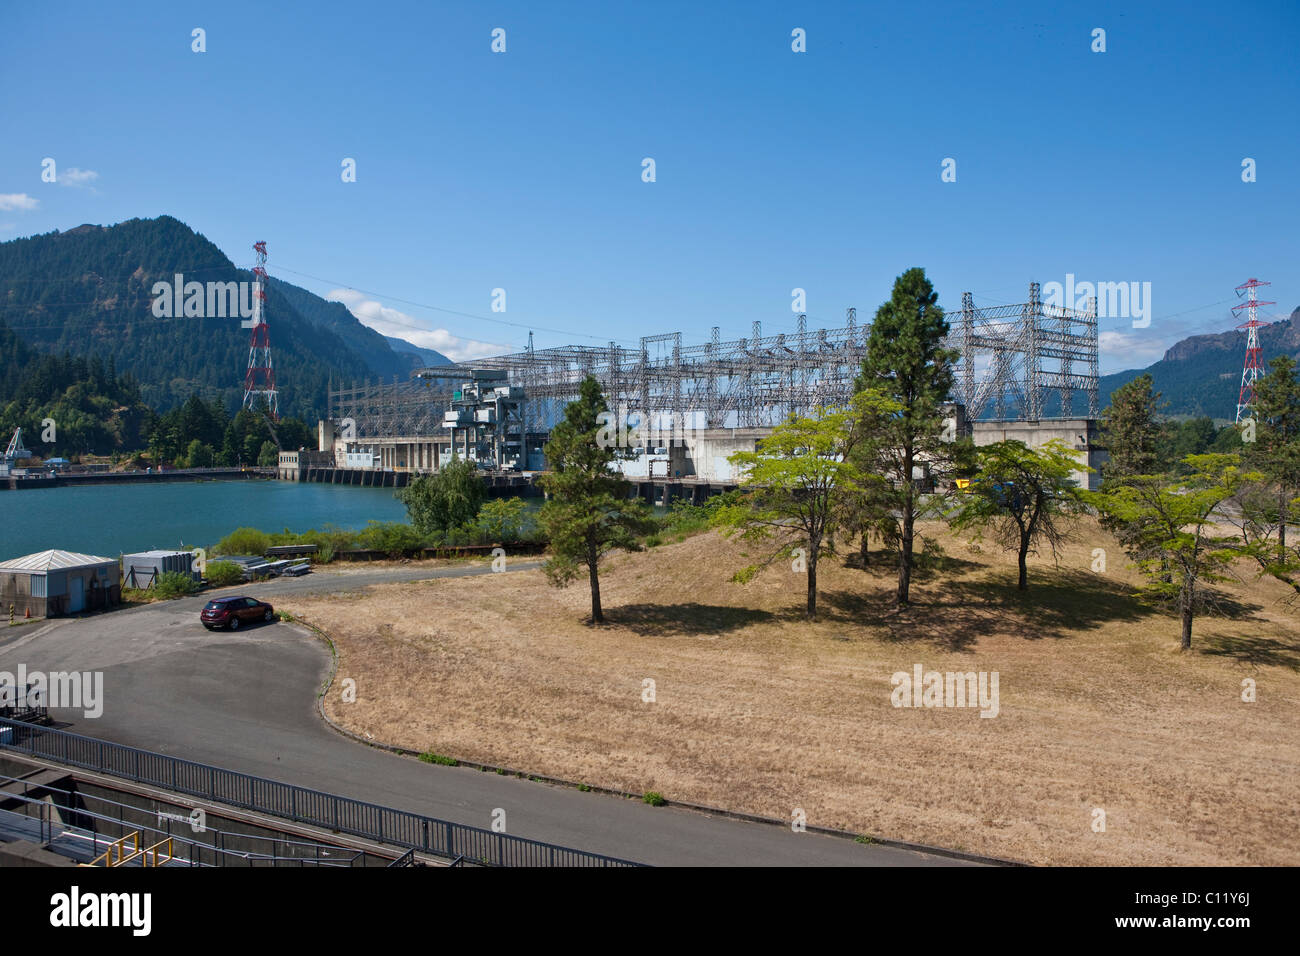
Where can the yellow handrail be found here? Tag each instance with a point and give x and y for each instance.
(118, 853)
(114, 855)
(154, 850)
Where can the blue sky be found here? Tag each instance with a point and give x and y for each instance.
(774, 169)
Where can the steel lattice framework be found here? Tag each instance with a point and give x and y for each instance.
(1017, 362)
(1254, 354)
(259, 380)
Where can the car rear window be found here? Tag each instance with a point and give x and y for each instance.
(212, 605)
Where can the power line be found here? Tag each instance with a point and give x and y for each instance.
(437, 308)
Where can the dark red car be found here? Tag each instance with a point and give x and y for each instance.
(232, 612)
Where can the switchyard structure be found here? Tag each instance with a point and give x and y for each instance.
(1022, 362)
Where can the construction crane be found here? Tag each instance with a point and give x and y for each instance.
(14, 453)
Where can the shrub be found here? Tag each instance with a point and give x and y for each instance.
(224, 573)
(392, 537)
(174, 584)
(329, 540)
(685, 518)
(502, 520)
(244, 541)
(654, 798)
(431, 757)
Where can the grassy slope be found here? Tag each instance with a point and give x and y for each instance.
(760, 711)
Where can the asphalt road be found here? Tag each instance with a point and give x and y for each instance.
(247, 701)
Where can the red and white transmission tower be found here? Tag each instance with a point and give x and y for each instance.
(1254, 354)
(259, 381)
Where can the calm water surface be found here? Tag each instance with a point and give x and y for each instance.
(115, 519)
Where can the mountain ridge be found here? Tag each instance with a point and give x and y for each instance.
(1201, 374)
(88, 291)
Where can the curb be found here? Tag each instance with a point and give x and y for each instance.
(609, 791)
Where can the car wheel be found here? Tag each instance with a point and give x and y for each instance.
(234, 623)
(269, 615)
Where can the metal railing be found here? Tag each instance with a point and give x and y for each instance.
(406, 859)
(312, 807)
(99, 819)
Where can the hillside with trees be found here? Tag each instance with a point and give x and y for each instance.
(1200, 376)
(87, 292)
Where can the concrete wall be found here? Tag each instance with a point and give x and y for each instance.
(1078, 434)
(707, 451)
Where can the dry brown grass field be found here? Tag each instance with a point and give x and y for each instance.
(760, 711)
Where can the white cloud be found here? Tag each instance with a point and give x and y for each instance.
(78, 178)
(10, 201)
(387, 321)
(1124, 350)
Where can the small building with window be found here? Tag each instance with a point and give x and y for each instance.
(53, 583)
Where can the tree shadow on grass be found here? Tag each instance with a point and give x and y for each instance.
(1217, 603)
(928, 567)
(1255, 651)
(1057, 604)
(688, 618)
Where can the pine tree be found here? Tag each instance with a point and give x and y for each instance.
(1129, 431)
(588, 512)
(1276, 450)
(907, 364)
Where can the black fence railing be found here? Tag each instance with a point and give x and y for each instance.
(299, 804)
(25, 707)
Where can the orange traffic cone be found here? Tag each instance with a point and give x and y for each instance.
(28, 614)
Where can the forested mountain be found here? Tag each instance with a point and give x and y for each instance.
(88, 292)
(387, 356)
(1201, 375)
(426, 357)
(91, 406)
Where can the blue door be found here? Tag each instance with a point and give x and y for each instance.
(76, 594)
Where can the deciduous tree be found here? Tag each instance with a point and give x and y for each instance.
(794, 486)
(1023, 497)
(1173, 530)
(446, 499)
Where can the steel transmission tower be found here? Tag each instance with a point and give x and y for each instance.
(259, 381)
(1254, 354)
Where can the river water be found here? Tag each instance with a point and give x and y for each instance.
(109, 520)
